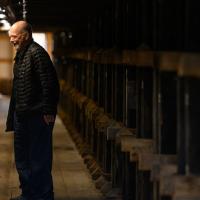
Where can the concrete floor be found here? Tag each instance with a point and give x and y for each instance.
(72, 180)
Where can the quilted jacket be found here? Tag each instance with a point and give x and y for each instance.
(35, 84)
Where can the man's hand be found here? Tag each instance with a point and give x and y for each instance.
(49, 118)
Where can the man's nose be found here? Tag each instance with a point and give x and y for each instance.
(11, 40)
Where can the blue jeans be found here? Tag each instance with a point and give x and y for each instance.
(33, 156)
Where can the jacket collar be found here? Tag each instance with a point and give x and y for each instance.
(20, 53)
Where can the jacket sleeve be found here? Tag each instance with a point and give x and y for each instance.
(46, 72)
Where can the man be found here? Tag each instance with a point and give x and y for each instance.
(32, 112)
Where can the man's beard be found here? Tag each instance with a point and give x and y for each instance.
(16, 46)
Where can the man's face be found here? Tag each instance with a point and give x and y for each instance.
(17, 39)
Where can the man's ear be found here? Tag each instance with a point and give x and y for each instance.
(26, 35)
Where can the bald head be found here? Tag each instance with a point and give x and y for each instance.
(21, 26)
(20, 34)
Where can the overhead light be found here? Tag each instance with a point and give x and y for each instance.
(1, 9)
(2, 16)
(5, 25)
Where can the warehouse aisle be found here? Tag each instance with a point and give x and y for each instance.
(72, 180)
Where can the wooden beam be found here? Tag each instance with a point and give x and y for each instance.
(159, 164)
(178, 187)
(136, 146)
(166, 178)
(140, 146)
(146, 160)
(186, 187)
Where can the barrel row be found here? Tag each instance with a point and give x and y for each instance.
(136, 125)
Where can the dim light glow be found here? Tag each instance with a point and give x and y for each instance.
(40, 38)
(2, 16)
(5, 26)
